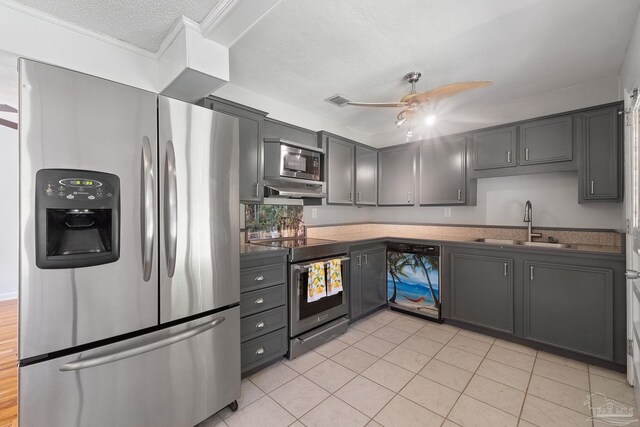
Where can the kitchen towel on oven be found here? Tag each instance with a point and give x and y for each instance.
(334, 280)
(316, 287)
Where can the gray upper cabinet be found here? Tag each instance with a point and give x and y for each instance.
(277, 129)
(340, 171)
(442, 171)
(366, 176)
(494, 148)
(570, 306)
(251, 123)
(482, 290)
(601, 163)
(396, 176)
(546, 141)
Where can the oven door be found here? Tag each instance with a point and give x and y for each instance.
(303, 315)
(299, 163)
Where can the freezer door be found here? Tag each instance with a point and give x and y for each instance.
(199, 210)
(70, 120)
(176, 377)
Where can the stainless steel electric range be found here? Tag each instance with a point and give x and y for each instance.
(313, 323)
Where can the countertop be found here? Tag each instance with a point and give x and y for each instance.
(249, 249)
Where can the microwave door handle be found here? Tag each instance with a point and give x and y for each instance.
(170, 208)
(135, 351)
(147, 209)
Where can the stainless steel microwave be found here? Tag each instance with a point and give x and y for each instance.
(284, 158)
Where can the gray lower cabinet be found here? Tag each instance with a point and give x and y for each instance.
(263, 310)
(442, 171)
(366, 176)
(367, 281)
(494, 148)
(571, 302)
(340, 174)
(569, 306)
(396, 175)
(546, 141)
(481, 290)
(601, 165)
(251, 123)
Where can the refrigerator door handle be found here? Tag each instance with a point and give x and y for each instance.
(124, 354)
(170, 208)
(147, 214)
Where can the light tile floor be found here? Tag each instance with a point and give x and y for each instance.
(396, 370)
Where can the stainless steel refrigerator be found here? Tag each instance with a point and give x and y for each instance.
(129, 257)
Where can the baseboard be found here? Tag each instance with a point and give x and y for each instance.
(8, 295)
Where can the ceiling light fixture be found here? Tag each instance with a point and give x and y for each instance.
(430, 120)
(409, 133)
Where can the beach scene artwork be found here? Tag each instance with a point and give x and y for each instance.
(412, 280)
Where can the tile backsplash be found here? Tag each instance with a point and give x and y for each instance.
(273, 221)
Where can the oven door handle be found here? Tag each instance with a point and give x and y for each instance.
(307, 266)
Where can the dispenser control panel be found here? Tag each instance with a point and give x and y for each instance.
(77, 189)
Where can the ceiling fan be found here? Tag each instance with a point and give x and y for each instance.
(413, 102)
(8, 109)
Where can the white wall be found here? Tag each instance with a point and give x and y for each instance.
(26, 35)
(9, 177)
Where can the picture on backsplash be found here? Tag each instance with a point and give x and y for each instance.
(274, 221)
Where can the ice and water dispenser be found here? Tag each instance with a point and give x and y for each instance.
(78, 218)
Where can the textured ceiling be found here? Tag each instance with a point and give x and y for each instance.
(304, 51)
(142, 23)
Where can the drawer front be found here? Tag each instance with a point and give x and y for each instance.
(263, 299)
(263, 348)
(262, 277)
(263, 323)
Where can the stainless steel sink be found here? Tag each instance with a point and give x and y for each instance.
(546, 244)
(499, 241)
(520, 242)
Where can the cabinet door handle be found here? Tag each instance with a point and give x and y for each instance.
(366, 259)
(259, 301)
(459, 194)
(259, 278)
(359, 263)
(591, 189)
(506, 270)
(531, 273)
(526, 154)
(261, 325)
(408, 196)
(351, 196)
(358, 199)
(260, 350)
(257, 189)
(509, 156)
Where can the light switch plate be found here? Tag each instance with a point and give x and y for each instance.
(314, 213)
(447, 212)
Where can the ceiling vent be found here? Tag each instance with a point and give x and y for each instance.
(338, 100)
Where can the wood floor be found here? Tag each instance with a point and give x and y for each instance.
(8, 363)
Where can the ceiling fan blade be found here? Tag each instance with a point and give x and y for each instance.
(449, 90)
(377, 104)
(7, 108)
(8, 124)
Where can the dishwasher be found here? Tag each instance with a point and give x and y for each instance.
(413, 279)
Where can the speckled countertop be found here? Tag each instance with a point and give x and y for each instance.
(604, 242)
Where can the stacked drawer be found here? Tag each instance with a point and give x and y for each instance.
(263, 309)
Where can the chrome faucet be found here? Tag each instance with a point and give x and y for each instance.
(528, 218)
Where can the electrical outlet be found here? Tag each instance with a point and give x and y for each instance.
(447, 212)
(314, 213)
